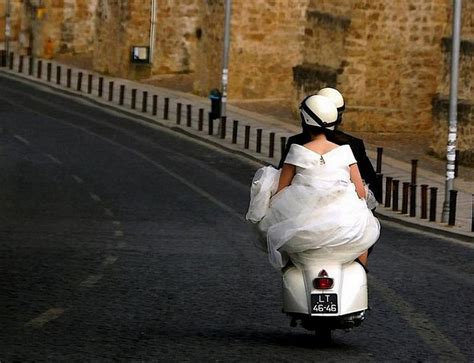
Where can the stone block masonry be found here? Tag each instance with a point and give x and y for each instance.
(387, 57)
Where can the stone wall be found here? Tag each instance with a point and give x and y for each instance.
(387, 57)
(57, 27)
(176, 36)
(209, 47)
(392, 64)
(266, 44)
(119, 25)
(326, 25)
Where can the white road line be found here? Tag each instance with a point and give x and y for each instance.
(421, 324)
(118, 233)
(95, 197)
(116, 223)
(122, 244)
(54, 159)
(91, 280)
(77, 179)
(176, 176)
(108, 212)
(45, 318)
(23, 140)
(109, 260)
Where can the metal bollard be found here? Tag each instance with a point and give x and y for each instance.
(189, 111)
(122, 95)
(414, 166)
(20, 64)
(388, 191)
(210, 123)
(379, 160)
(166, 108)
(412, 200)
(201, 119)
(30, 66)
(235, 130)
(453, 194)
(100, 90)
(223, 127)
(433, 197)
(472, 212)
(405, 189)
(178, 113)
(424, 201)
(40, 69)
(49, 68)
(271, 144)
(247, 137)
(379, 182)
(90, 78)
(395, 187)
(155, 105)
(259, 141)
(282, 145)
(144, 101)
(133, 103)
(111, 91)
(58, 74)
(68, 78)
(79, 81)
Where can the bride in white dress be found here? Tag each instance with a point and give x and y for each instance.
(318, 211)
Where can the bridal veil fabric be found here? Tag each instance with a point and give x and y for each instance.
(319, 216)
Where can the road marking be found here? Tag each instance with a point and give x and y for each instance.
(159, 166)
(95, 197)
(77, 179)
(118, 233)
(108, 212)
(45, 318)
(122, 244)
(91, 280)
(110, 260)
(54, 159)
(117, 223)
(23, 140)
(420, 323)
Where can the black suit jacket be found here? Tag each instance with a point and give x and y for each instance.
(358, 149)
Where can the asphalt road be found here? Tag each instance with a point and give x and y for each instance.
(120, 241)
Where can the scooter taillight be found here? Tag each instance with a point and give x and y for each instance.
(323, 282)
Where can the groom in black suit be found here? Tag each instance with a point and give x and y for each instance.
(338, 137)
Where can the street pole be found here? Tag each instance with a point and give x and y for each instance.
(225, 58)
(7, 32)
(453, 101)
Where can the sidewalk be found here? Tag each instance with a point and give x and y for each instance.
(255, 136)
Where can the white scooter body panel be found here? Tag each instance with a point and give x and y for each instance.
(350, 285)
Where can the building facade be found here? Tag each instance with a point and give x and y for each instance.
(391, 59)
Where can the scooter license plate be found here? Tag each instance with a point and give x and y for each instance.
(324, 304)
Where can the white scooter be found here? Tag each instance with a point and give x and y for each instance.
(325, 296)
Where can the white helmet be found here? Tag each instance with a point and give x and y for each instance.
(317, 110)
(334, 95)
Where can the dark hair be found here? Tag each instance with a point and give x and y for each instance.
(315, 130)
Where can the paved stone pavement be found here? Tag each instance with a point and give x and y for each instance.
(187, 113)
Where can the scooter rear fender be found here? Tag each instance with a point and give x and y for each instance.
(350, 285)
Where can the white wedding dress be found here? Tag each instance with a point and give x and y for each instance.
(319, 216)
